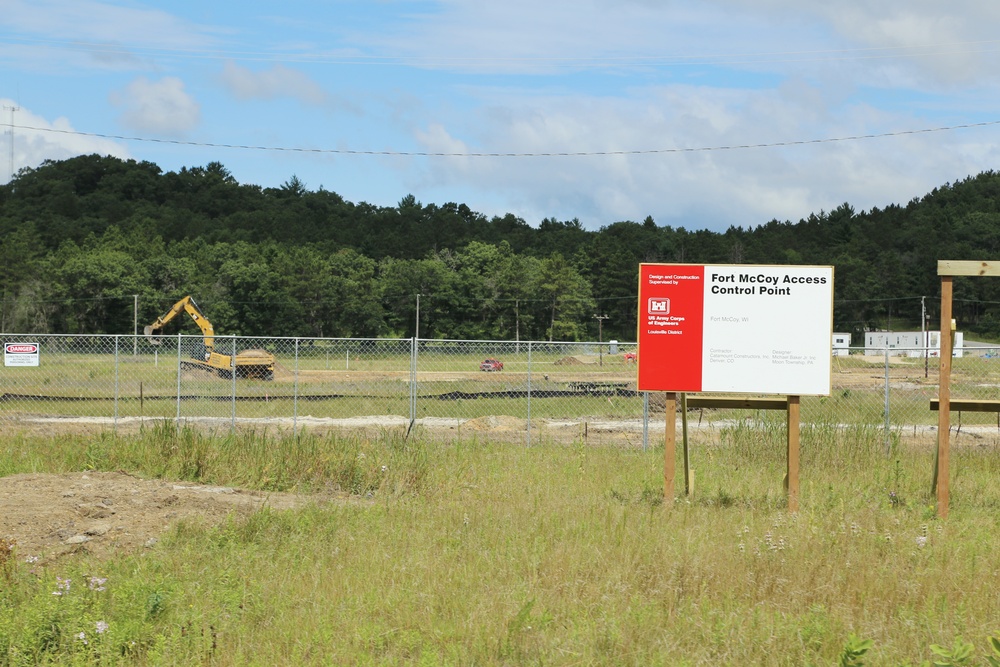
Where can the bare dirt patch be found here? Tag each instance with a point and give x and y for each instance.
(577, 360)
(103, 513)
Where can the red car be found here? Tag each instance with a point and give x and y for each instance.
(490, 365)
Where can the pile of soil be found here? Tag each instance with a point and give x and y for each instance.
(494, 423)
(50, 516)
(254, 353)
(575, 361)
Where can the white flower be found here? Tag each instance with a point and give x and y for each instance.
(62, 586)
(921, 541)
(102, 627)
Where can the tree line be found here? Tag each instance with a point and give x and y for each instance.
(83, 240)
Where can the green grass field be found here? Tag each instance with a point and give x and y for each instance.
(473, 552)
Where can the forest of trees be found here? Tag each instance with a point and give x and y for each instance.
(82, 237)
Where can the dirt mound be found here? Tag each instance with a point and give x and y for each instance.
(495, 423)
(282, 374)
(576, 360)
(49, 516)
(256, 354)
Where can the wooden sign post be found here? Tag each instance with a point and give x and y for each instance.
(948, 269)
(734, 329)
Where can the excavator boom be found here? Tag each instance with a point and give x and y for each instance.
(187, 304)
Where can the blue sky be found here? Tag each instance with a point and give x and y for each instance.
(645, 94)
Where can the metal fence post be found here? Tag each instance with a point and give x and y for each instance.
(178, 421)
(295, 393)
(232, 366)
(413, 382)
(528, 422)
(645, 420)
(116, 385)
(886, 410)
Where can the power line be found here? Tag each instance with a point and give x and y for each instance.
(602, 61)
(651, 151)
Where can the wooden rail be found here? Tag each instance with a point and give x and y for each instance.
(967, 406)
(737, 402)
(790, 405)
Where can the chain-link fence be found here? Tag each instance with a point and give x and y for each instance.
(521, 391)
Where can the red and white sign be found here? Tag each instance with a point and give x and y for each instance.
(735, 328)
(20, 354)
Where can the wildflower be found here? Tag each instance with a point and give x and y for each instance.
(102, 627)
(921, 541)
(385, 468)
(31, 559)
(82, 636)
(62, 586)
(97, 583)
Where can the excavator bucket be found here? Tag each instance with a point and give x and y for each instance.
(150, 333)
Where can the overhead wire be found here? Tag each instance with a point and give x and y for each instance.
(707, 59)
(602, 61)
(485, 154)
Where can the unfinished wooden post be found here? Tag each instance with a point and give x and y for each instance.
(688, 484)
(669, 448)
(792, 474)
(944, 398)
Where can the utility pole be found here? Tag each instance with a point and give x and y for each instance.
(417, 335)
(135, 325)
(600, 337)
(517, 325)
(10, 125)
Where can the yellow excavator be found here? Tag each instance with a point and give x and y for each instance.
(254, 364)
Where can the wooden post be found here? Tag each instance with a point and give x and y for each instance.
(684, 444)
(670, 448)
(944, 398)
(792, 474)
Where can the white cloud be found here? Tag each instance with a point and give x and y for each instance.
(647, 75)
(99, 21)
(877, 43)
(706, 188)
(162, 107)
(941, 43)
(66, 35)
(34, 146)
(275, 82)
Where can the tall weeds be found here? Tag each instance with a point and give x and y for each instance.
(477, 552)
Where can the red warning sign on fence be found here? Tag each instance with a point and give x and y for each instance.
(20, 354)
